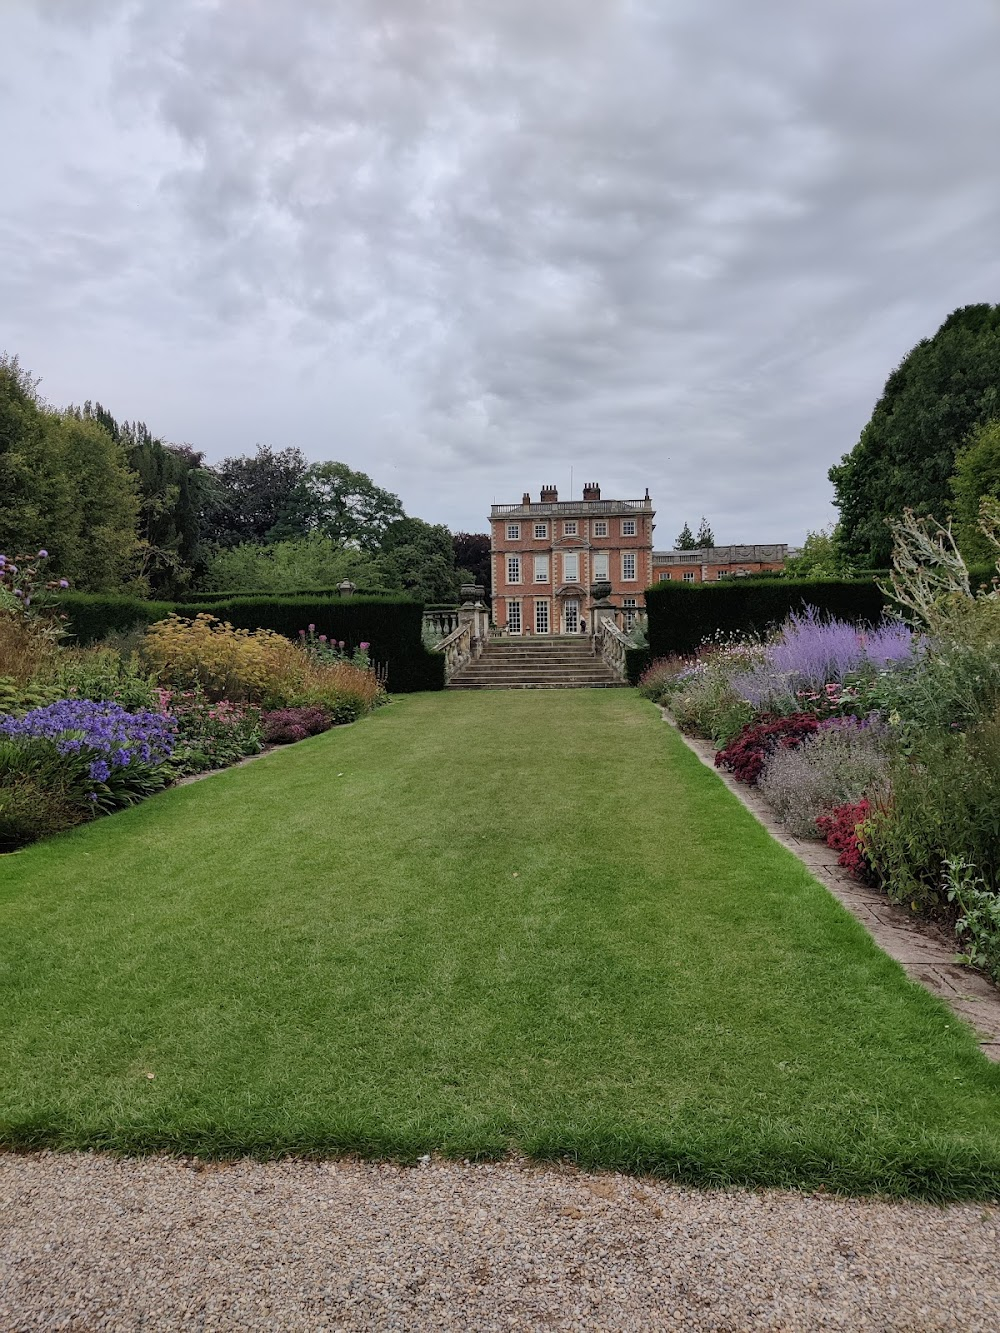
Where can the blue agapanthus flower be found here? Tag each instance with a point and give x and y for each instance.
(86, 725)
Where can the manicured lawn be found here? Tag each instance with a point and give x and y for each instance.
(471, 923)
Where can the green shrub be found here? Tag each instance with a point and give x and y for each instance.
(945, 806)
(682, 616)
(636, 662)
(103, 674)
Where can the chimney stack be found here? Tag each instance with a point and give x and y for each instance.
(591, 490)
(526, 498)
(549, 495)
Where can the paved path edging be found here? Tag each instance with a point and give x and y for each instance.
(922, 950)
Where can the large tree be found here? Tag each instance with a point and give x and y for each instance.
(257, 498)
(420, 558)
(977, 475)
(472, 553)
(173, 490)
(65, 485)
(685, 539)
(938, 394)
(347, 506)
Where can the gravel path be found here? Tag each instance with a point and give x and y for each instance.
(90, 1243)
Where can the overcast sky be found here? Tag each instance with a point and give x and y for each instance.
(469, 245)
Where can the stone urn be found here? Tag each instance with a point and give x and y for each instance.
(600, 591)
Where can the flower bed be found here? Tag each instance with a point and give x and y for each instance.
(84, 732)
(884, 740)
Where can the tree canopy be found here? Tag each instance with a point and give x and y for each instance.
(977, 474)
(932, 402)
(65, 485)
(347, 506)
(685, 539)
(704, 536)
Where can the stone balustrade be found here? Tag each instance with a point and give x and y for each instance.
(610, 644)
(467, 640)
(440, 623)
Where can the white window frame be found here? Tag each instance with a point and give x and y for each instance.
(630, 609)
(571, 567)
(688, 576)
(541, 531)
(570, 528)
(600, 527)
(628, 558)
(541, 569)
(513, 532)
(514, 563)
(628, 527)
(542, 605)
(514, 605)
(599, 561)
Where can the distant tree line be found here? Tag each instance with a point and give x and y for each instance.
(118, 509)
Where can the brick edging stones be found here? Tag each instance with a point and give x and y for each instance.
(923, 951)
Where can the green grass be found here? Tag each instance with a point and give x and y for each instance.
(469, 924)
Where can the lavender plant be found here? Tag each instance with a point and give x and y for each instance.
(846, 760)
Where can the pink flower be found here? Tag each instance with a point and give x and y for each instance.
(312, 629)
(302, 634)
(365, 647)
(322, 638)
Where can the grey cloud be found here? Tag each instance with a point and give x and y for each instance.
(677, 245)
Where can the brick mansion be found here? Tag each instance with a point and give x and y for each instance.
(547, 556)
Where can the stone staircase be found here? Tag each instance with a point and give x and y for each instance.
(556, 663)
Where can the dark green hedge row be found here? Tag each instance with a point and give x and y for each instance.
(636, 662)
(93, 615)
(390, 625)
(377, 593)
(681, 616)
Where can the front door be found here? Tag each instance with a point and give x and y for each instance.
(571, 616)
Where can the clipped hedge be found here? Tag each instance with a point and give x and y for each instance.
(390, 625)
(187, 598)
(636, 662)
(93, 615)
(681, 616)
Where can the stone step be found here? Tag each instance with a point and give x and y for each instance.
(459, 684)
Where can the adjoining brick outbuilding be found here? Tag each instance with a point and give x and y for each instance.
(547, 555)
(706, 564)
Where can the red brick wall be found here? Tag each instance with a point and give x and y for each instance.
(554, 544)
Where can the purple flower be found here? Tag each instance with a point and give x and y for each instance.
(365, 647)
(322, 638)
(12, 569)
(312, 629)
(99, 771)
(43, 554)
(64, 583)
(18, 592)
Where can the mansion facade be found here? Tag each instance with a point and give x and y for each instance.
(546, 556)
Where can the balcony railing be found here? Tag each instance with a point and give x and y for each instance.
(572, 507)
